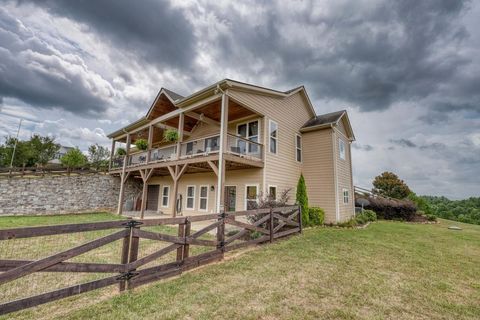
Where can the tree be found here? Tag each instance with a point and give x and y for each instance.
(74, 158)
(43, 149)
(302, 199)
(23, 153)
(389, 185)
(98, 155)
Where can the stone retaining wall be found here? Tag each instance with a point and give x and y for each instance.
(62, 194)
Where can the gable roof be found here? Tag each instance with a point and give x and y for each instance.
(327, 120)
(178, 101)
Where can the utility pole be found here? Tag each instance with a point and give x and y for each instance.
(15, 145)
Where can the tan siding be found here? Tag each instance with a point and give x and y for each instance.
(238, 178)
(318, 171)
(290, 113)
(344, 178)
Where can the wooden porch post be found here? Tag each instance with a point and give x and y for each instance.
(221, 161)
(112, 153)
(145, 176)
(122, 178)
(181, 124)
(150, 142)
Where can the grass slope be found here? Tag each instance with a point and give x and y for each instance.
(390, 270)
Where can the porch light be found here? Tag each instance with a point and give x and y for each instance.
(212, 188)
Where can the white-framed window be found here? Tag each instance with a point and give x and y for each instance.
(251, 131)
(273, 136)
(190, 198)
(346, 196)
(341, 148)
(203, 198)
(298, 147)
(272, 192)
(165, 196)
(251, 196)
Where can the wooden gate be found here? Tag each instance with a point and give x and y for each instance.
(249, 228)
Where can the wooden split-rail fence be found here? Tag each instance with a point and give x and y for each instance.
(269, 224)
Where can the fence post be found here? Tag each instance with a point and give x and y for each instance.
(181, 234)
(271, 224)
(124, 257)
(221, 231)
(133, 252)
(186, 247)
(300, 218)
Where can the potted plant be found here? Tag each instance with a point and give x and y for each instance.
(141, 144)
(170, 135)
(121, 151)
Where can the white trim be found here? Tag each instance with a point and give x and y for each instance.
(301, 147)
(186, 197)
(245, 195)
(259, 136)
(276, 190)
(200, 197)
(270, 122)
(348, 195)
(337, 204)
(236, 193)
(168, 196)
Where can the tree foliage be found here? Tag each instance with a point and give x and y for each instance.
(388, 184)
(98, 156)
(467, 210)
(74, 158)
(28, 153)
(302, 199)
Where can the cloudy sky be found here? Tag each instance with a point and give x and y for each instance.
(408, 72)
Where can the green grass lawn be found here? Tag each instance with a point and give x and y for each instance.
(390, 270)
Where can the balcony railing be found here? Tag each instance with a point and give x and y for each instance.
(244, 148)
(235, 145)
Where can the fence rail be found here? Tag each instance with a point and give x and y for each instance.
(268, 224)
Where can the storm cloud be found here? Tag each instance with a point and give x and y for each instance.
(408, 72)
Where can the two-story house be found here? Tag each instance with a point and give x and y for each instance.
(234, 143)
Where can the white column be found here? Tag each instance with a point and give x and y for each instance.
(221, 162)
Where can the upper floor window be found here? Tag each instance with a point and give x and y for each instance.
(298, 147)
(273, 133)
(248, 131)
(341, 148)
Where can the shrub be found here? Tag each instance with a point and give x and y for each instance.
(391, 209)
(371, 215)
(316, 216)
(302, 199)
(141, 144)
(431, 217)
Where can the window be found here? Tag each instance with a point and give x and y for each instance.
(190, 197)
(345, 196)
(248, 131)
(273, 133)
(212, 144)
(189, 150)
(165, 195)
(298, 147)
(272, 192)
(251, 200)
(341, 148)
(203, 196)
